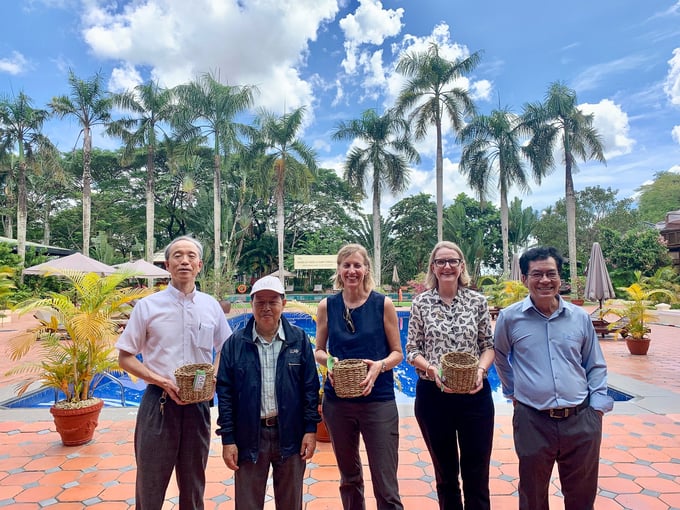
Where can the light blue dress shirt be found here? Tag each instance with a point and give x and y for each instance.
(550, 362)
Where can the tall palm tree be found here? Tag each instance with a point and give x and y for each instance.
(557, 122)
(287, 160)
(384, 146)
(90, 104)
(21, 126)
(431, 94)
(492, 150)
(207, 110)
(151, 106)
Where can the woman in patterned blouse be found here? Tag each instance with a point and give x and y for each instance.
(457, 427)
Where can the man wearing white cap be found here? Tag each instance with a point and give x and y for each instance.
(268, 393)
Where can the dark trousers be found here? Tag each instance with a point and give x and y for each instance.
(378, 424)
(250, 480)
(177, 438)
(453, 423)
(573, 442)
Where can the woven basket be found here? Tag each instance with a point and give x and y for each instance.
(459, 371)
(186, 376)
(347, 374)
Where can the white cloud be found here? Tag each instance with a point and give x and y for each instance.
(675, 133)
(672, 84)
(260, 43)
(124, 78)
(612, 124)
(369, 24)
(16, 64)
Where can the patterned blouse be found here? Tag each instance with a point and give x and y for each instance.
(436, 328)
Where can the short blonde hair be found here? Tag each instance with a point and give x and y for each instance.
(346, 251)
(431, 281)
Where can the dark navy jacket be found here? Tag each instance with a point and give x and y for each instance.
(239, 391)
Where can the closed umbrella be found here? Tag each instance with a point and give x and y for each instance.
(598, 284)
(395, 275)
(515, 271)
(74, 262)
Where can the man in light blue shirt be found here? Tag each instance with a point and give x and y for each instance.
(550, 364)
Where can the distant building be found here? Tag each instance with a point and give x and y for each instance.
(670, 230)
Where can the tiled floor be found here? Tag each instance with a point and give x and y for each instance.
(640, 459)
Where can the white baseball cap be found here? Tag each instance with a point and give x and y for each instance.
(268, 283)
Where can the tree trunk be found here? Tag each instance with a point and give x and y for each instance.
(440, 184)
(280, 166)
(46, 221)
(21, 209)
(87, 189)
(150, 204)
(217, 219)
(377, 256)
(504, 233)
(570, 199)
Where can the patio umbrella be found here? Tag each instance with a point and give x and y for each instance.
(515, 271)
(598, 284)
(286, 274)
(75, 262)
(395, 275)
(143, 269)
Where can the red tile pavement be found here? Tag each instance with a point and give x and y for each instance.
(639, 469)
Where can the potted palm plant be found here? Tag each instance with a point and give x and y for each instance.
(635, 317)
(77, 347)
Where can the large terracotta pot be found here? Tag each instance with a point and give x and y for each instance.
(322, 434)
(639, 347)
(76, 426)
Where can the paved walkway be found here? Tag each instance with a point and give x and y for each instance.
(640, 460)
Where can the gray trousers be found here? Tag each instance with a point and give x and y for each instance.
(250, 480)
(179, 439)
(378, 423)
(573, 442)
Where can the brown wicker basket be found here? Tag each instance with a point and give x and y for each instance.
(347, 374)
(190, 389)
(459, 371)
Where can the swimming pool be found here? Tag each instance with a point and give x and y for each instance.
(121, 391)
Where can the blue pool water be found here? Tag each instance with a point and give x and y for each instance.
(124, 390)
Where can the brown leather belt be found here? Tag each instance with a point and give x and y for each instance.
(271, 421)
(564, 412)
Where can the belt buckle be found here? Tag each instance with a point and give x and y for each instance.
(270, 421)
(560, 413)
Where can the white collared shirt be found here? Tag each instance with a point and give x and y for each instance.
(170, 329)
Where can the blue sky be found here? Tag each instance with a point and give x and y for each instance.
(337, 57)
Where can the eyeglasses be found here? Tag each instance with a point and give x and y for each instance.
(451, 262)
(348, 321)
(550, 275)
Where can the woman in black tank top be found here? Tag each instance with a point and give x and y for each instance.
(360, 323)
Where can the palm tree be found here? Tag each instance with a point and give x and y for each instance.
(207, 110)
(151, 106)
(287, 159)
(20, 126)
(492, 144)
(386, 148)
(559, 121)
(90, 104)
(431, 94)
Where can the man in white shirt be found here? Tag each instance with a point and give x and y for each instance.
(174, 327)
